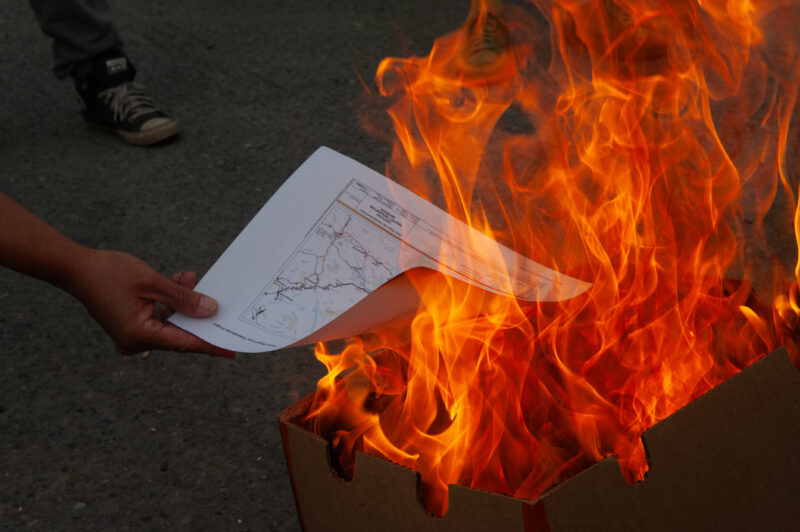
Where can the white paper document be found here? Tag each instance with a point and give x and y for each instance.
(333, 234)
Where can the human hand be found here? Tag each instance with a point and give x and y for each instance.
(131, 301)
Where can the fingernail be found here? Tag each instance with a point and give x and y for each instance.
(207, 304)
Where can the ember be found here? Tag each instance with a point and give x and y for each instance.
(641, 147)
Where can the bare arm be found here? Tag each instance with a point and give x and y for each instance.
(119, 290)
(30, 246)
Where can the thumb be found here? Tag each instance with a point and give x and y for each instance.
(187, 301)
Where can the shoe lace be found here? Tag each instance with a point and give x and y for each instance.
(490, 36)
(128, 101)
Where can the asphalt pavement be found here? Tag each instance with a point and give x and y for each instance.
(92, 440)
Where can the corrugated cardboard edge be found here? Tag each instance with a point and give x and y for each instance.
(728, 460)
(286, 421)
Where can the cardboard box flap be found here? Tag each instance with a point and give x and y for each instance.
(383, 495)
(716, 464)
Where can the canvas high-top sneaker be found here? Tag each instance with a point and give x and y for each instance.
(485, 56)
(112, 101)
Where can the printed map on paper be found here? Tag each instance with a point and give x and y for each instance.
(334, 233)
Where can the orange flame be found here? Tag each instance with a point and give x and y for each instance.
(642, 148)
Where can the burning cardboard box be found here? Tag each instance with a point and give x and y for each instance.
(648, 151)
(726, 461)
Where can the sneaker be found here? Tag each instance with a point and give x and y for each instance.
(112, 101)
(485, 55)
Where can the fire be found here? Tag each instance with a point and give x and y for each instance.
(638, 145)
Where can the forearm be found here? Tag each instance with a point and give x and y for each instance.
(30, 246)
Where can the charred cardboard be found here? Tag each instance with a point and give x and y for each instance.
(729, 460)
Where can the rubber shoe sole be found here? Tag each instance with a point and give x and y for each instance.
(147, 136)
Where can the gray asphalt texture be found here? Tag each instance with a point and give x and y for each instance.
(92, 440)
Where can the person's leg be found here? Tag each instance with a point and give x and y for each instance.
(81, 30)
(475, 7)
(87, 48)
(485, 51)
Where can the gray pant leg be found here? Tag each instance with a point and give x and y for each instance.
(81, 30)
